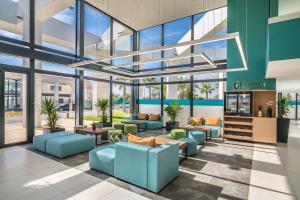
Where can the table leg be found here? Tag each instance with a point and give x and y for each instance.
(96, 138)
(210, 134)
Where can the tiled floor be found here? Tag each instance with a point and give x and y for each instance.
(221, 170)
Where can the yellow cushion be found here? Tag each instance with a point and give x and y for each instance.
(142, 116)
(154, 117)
(150, 141)
(213, 121)
(195, 120)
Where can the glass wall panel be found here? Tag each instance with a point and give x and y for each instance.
(150, 99)
(55, 24)
(94, 90)
(208, 25)
(150, 38)
(14, 60)
(121, 102)
(53, 67)
(179, 93)
(15, 96)
(62, 90)
(177, 32)
(122, 43)
(96, 33)
(14, 18)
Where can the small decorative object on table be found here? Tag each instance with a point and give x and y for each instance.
(259, 111)
(269, 110)
(94, 126)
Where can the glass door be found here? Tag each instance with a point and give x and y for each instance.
(13, 108)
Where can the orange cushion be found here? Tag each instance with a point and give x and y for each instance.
(154, 117)
(150, 141)
(142, 116)
(213, 121)
(195, 120)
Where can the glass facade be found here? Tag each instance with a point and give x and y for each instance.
(57, 42)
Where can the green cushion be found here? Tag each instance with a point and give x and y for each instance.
(108, 128)
(168, 136)
(130, 128)
(178, 133)
(119, 126)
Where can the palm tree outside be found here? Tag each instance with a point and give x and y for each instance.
(205, 88)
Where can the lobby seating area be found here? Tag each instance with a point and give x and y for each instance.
(151, 99)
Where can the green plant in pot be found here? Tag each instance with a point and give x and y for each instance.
(49, 108)
(102, 105)
(282, 122)
(172, 110)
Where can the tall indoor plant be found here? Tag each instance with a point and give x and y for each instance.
(102, 105)
(172, 111)
(50, 109)
(282, 122)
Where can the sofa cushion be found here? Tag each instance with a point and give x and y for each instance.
(195, 120)
(153, 125)
(142, 116)
(212, 121)
(154, 117)
(39, 141)
(150, 141)
(69, 145)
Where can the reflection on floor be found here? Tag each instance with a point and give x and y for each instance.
(221, 170)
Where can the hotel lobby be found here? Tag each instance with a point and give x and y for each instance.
(149, 99)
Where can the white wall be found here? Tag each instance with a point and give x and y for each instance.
(149, 109)
(208, 111)
(288, 85)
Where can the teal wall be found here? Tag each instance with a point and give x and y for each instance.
(196, 102)
(284, 40)
(250, 19)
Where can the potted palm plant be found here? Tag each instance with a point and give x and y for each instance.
(282, 123)
(172, 111)
(50, 109)
(102, 105)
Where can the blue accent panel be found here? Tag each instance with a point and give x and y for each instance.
(131, 163)
(149, 101)
(183, 102)
(102, 159)
(69, 145)
(210, 102)
(163, 166)
(284, 40)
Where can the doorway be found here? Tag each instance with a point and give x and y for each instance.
(13, 111)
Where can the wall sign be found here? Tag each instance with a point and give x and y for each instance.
(249, 85)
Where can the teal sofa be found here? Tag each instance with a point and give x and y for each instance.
(62, 144)
(150, 125)
(147, 167)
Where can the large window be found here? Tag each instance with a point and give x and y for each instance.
(53, 67)
(14, 18)
(55, 24)
(62, 91)
(150, 38)
(93, 91)
(121, 102)
(96, 33)
(208, 25)
(177, 32)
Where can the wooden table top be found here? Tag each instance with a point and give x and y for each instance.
(98, 131)
(160, 141)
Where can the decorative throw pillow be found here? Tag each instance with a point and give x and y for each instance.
(150, 141)
(142, 116)
(154, 117)
(213, 121)
(195, 120)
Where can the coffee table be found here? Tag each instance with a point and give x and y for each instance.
(197, 128)
(138, 123)
(96, 133)
(182, 145)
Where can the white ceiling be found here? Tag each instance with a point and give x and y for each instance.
(284, 69)
(140, 14)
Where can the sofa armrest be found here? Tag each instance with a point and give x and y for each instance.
(163, 166)
(131, 163)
